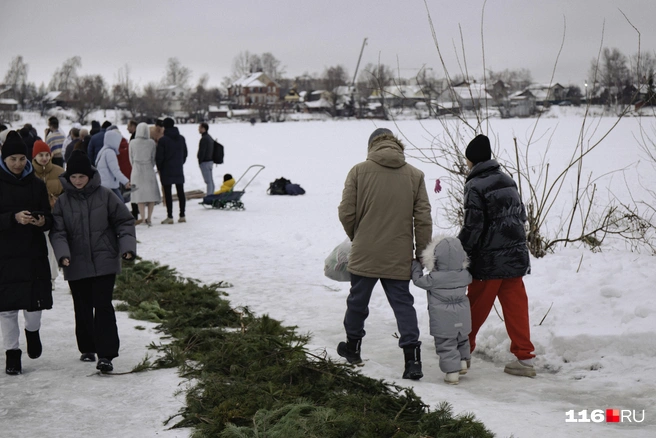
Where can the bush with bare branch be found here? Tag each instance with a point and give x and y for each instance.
(586, 218)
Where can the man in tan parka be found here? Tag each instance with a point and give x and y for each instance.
(384, 211)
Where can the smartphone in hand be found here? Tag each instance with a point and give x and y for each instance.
(37, 214)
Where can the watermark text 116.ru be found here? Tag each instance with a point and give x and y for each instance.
(605, 416)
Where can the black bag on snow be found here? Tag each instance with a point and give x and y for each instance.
(294, 189)
(217, 153)
(278, 186)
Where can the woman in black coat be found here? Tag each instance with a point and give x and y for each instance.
(24, 269)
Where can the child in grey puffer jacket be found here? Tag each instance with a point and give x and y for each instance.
(448, 305)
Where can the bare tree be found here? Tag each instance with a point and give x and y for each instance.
(16, 79)
(90, 94)
(244, 64)
(643, 67)
(153, 105)
(126, 93)
(374, 79)
(176, 73)
(333, 77)
(271, 66)
(198, 100)
(64, 78)
(611, 73)
(515, 80)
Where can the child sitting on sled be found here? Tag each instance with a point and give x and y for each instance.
(228, 184)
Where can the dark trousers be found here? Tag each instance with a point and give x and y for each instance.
(135, 210)
(95, 321)
(399, 297)
(168, 196)
(59, 161)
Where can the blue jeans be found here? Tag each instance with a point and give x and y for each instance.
(400, 299)
(206, 171)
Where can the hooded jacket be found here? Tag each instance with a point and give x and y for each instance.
(107, 161)
(446, 283)
(49, 174)
(142, 158)
(170, 157)
(24, 268)
(493, 233)
(384, 210)
(92, 228)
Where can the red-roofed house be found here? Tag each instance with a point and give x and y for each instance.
(254, 89)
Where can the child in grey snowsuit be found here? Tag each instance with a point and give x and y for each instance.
(448, 305)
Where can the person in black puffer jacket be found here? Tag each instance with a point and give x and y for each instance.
(494, 237)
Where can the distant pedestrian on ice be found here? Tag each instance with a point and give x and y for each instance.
(90, 253)
(25, 273)
(107, 163)
(494, 237)
(205, 154)
(448, 306)
(170, 158)
(384, 210)
(142, 157)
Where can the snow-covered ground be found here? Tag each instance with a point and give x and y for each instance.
(595, 348)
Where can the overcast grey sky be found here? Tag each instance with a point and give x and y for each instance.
(309, 35)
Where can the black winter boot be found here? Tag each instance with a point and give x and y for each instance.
(14, 362)
(350, 350)
(34, 347)
(412, 356)
(104, 365)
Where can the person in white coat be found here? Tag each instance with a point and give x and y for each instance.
(145, 189)
(107, 163)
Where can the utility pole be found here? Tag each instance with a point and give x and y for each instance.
(355, 75)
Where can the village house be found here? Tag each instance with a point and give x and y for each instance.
(519, 104)
(174, 95)
(254, 89)
(466, 96)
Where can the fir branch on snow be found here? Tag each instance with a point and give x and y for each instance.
(252, 374)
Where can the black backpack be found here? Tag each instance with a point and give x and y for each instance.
(217, 153)
(278, 186)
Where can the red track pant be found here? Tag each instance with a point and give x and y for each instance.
(514, 304)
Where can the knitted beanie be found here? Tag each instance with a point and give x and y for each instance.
(40, 146)
(79, 163)
(478, 150)
(378, 132)
(13, 145)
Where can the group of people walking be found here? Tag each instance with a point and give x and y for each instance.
(90, 229)
(393, 245)
(62, 205)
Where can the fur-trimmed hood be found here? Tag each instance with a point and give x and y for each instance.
(447, 252)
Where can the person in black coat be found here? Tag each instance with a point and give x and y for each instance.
(494, 237)
(24, 268)
(170, 157)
